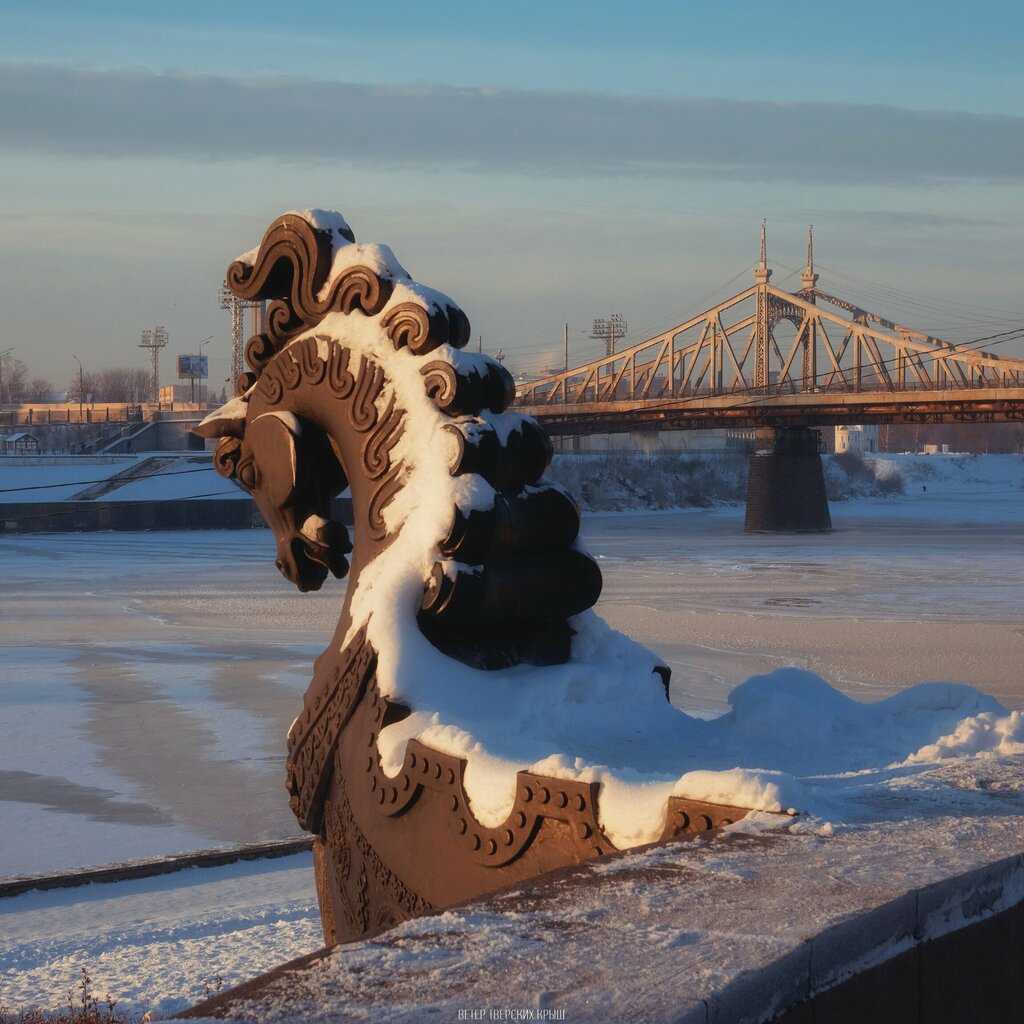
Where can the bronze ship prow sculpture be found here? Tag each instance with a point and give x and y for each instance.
(464, 572)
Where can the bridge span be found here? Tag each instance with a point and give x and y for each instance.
(775, 407)
(788, 361)
(770, 358)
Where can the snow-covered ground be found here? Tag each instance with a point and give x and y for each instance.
(144, 476)
(158, 944)
(147, 680)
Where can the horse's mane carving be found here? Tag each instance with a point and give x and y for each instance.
(359, 380)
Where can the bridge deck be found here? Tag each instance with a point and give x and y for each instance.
(949, 405)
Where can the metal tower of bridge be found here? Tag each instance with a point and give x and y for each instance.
(770, 358)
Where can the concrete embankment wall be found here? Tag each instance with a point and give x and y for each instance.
(268, 850)
(77, 516)
(186, 514)
(974, 974)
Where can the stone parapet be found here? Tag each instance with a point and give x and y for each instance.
(918, 922)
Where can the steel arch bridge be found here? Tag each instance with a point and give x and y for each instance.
(733, 366)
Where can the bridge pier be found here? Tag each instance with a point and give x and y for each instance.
(786, 485)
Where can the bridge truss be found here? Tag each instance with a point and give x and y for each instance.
(767, 357)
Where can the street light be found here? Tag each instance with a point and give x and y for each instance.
(6, 352)
(81, 385)
(199, 367)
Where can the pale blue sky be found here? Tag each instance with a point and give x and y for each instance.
(540, 162)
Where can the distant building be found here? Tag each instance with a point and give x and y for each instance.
(650, 442)
(181, 394)
(20, 444)
(859, 439)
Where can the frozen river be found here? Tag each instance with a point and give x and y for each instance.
(147, 680)
(902, 591)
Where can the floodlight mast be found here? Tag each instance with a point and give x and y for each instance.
(610, 331)
(154, 339)
(235, 305)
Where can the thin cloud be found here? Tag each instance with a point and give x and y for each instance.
(121, 113)
(905, 219)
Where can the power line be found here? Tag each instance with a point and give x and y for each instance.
(955, 310)
(102, 480)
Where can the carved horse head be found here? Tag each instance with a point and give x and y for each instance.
(358, 378)
(289, 469)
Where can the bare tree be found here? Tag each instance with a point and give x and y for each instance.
(13, 379)
(82, 387)
(1017, 434)
(123, 384)
(915, 433)
(884, 430)
(39, 388)
(114, 384)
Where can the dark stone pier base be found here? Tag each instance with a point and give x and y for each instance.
(786, 485)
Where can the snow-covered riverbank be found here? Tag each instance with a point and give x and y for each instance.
(645, 483)
(616, 482)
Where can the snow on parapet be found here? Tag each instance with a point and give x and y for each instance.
(988, 734)
(790, 741)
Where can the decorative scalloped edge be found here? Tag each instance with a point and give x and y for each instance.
(317, 731)
(538, 797)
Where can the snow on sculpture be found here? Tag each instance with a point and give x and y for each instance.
(471, 723)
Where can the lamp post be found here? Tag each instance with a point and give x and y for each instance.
(81, 386)
(199, 368)
(6, 352)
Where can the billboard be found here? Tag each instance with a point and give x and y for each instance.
(192, 368)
